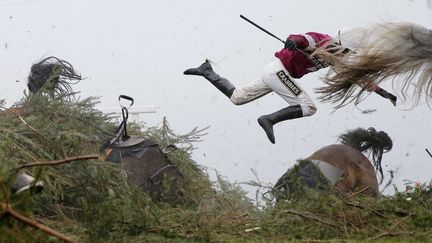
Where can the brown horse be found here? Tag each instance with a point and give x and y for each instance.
(341, 166)
(144, 162)
(148, 167)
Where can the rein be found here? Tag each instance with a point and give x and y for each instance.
(160, 170)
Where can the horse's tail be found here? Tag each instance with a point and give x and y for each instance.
(363, 140)
(398, 51)
(59, 73)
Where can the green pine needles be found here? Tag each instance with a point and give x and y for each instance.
(57, 140)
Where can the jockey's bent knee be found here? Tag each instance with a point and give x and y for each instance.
(239, 98)
(252, 91)
(308, 109)
(238, 101)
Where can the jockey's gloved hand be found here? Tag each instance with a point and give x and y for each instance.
(290, 44)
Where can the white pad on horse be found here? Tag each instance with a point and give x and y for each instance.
(330, 172)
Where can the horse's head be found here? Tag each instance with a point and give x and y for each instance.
(54, 74)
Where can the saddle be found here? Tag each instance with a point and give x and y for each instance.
(133, 146)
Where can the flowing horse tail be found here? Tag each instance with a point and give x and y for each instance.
(59, 73)
(369, 140)
(401, 52)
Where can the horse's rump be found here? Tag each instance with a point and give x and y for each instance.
(343, 166)
(358, 171)
(148, 167)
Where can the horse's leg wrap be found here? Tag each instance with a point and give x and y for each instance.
(206, 70)
(267, 121)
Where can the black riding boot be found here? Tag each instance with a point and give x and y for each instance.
(267, 121)
(207, 72)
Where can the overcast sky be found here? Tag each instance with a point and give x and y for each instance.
(141, 48)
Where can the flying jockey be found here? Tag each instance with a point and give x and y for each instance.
(301, 54)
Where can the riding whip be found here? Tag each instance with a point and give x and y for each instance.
(380, 91)
(261, 28)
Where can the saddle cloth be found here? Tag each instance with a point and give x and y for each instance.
(329, 171)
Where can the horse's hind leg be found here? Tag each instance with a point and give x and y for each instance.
(370, 182)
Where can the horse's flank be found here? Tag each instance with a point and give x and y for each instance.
(358, 171)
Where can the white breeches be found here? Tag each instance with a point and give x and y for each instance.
(275, 78)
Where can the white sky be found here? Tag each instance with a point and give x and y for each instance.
(141, 48)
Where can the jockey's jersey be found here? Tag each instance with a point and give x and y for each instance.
(299, 63)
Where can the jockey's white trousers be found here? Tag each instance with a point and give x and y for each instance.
(277, 79)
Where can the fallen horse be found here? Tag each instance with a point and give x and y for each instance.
(340, 166)
(145, 163)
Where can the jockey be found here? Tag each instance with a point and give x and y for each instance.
(299, 56)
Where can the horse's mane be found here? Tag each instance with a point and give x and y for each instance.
(401, 52)
(53, 73)
(363, 140)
